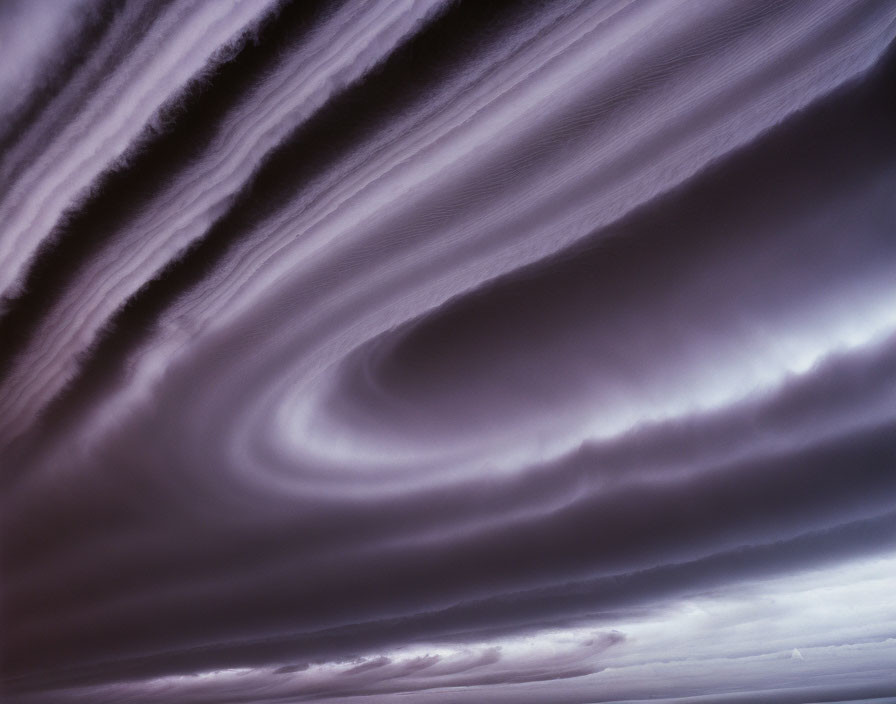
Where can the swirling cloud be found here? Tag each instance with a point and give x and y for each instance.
(452, 351)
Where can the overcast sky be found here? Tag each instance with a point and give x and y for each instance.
(447, 352)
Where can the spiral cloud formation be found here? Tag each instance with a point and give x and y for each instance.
(440, 351)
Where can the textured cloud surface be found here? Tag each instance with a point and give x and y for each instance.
(438, 351)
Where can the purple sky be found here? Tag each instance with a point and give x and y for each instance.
(447, 352)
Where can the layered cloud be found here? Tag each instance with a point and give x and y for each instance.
(453, 351)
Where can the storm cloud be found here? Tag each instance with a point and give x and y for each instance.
(447, 351)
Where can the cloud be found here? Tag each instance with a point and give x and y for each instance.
(462, 351)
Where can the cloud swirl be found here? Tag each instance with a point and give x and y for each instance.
(447, 351)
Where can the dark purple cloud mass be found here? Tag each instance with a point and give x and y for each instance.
(448, 352)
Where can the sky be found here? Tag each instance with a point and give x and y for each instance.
(447, 351)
